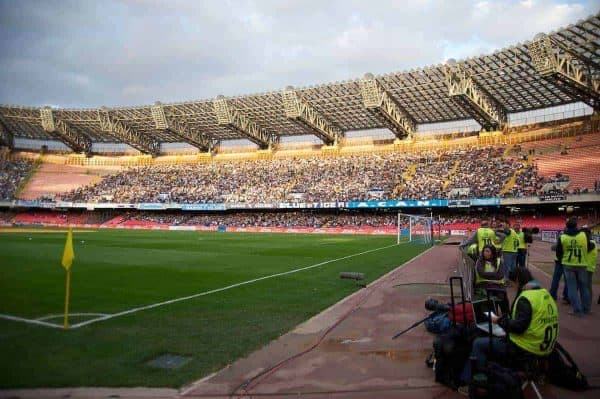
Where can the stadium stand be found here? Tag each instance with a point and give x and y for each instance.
(582, 165)
(12, 174)
(49, 218)
(343, 178)
(383, 221)
(478, 173)
(51, 179)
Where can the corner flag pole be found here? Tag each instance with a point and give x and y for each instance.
(67, 291)
(67, 261)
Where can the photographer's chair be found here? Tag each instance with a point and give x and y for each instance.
(530, 367)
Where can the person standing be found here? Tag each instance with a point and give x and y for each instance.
(572, 251)
(510, 247)
(591, 266)
(558, 273)
(522, 249)
(482, 237)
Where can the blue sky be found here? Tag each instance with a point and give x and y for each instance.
(117, 53)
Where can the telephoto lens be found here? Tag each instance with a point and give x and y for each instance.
(434, 306)
(431, 304)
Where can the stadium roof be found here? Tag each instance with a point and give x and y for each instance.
(559, 68)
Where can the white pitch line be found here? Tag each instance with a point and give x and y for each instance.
(29, 321)
(55, 316)
(185, 298)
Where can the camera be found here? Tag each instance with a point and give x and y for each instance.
(433, 305)
(531, 230)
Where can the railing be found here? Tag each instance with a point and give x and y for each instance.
(466, 268)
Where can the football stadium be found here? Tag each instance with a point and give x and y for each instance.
(256, 246)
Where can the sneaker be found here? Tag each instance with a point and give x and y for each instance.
(565, 301)
(573, 313)
(463, 390)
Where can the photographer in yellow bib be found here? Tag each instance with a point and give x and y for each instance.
(572, 250)
(531, 327)
(483, 236)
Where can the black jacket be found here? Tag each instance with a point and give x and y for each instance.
(522, 318)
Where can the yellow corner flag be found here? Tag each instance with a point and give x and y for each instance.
(68, 254)
(67, 261)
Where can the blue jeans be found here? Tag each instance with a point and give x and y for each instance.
(579, 294)
(556, 276)
(509, 259)
(480, 350)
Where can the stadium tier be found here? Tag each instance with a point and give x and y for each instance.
(555, 166)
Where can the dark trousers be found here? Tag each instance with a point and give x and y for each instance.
(556, 276)
(521, 255)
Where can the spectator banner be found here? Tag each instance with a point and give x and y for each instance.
(485, 201)
(459, 203)
(64, 204)
(27, 204)
(151, 206)
(82, 205)
(397, 204)
(105, 205)
(310, 205)
(251, 206)
(203, 207)
(553, 197)
(125, 206)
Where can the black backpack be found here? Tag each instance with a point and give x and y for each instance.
(563, 372)
(452, 348)
(451, 351)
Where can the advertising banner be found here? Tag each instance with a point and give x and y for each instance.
(397, 204)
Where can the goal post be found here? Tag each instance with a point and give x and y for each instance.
(415, 229)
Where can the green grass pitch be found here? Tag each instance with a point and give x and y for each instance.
(118, 270)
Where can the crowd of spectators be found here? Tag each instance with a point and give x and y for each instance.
(6, 216)
(268, 219)
(316, 179)
(528, 183)
(305, 218)
(12, 173)
(484, 172)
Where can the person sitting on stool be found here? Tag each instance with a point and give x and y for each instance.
(489, 274)
(532, 327)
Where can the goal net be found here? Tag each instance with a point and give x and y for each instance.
(415, 229)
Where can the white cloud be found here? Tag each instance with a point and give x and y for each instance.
(179, 50)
